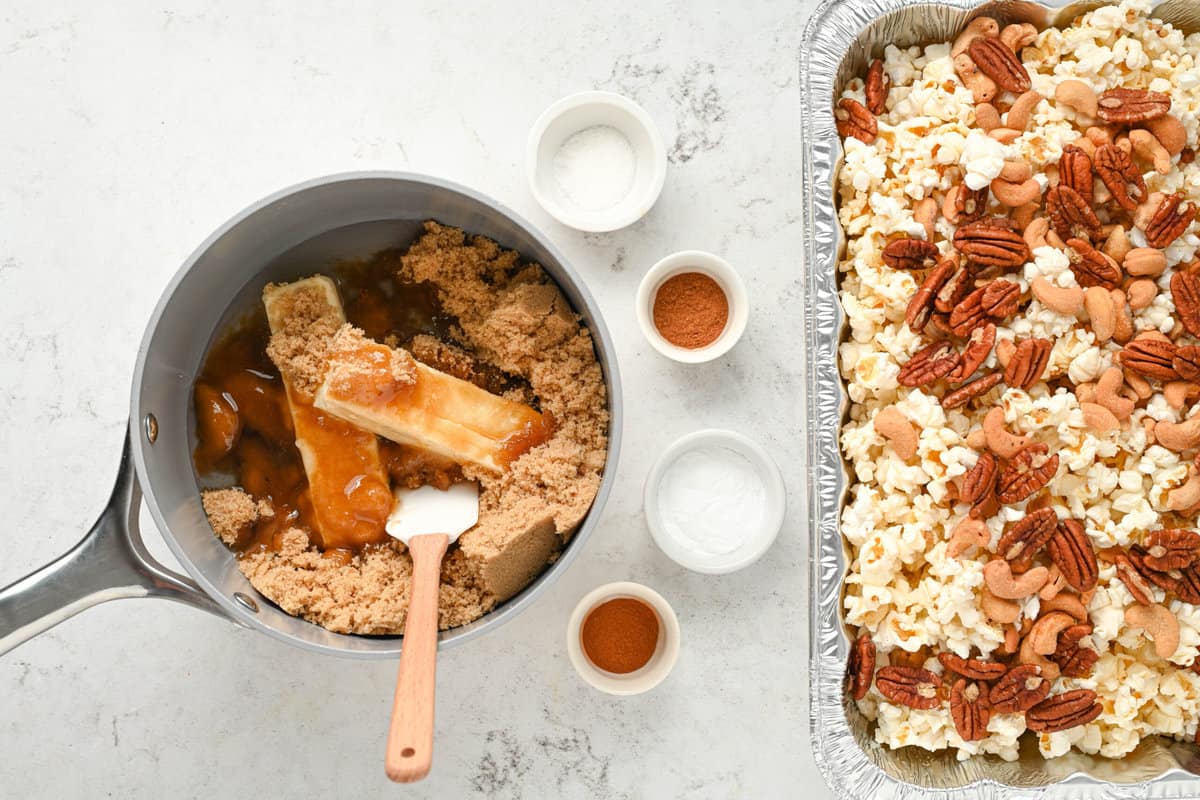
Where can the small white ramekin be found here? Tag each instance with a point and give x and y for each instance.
(578, 112)
(714, 267)
(757, 541)
(666, 653)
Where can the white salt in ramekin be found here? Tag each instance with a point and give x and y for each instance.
(666, 653)
(578, 112)
(714, 267)
(757, 541)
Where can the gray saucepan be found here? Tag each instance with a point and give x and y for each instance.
(294, 232)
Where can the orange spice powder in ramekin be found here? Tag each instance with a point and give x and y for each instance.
(691, 310)
(620, 635)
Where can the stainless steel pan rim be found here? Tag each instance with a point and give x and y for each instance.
(111, 562)
(838, 39)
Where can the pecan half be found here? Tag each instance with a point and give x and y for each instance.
(1171, 549)
(1071, 215)
(956, 287)
(853, 119)
(1063, 711)
(1163, 580)
(980, 386)
(910, 254)
(970, 709)
(996, 60)
(1021, 688)
(922, 304)
(1130, 575)
(1122, 177)
(1028, 363)
(928, 365)
(980, 480)
(1170, 221)
(1185, 292)
(860, 667)
(1075, 171)
(974, 668)
(1026, 473)
(1128, 106)
(1151, 358)
(965, 204)
(979, 346)
(1001, 299)
(1187, 587)
(1071, 551)
(992, 242)
(1073, 659)
(877, 85)
(909, 686)
(1022, 541)
(1092, 267)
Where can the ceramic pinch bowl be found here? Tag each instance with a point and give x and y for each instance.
(579, 112)
(714, 267)
(666, 651)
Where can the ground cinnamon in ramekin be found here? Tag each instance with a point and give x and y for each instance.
(691, 310)
(620, 635)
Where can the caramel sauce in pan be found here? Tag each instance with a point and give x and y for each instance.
(245, 429)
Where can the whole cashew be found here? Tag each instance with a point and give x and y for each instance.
(1178, 436)
(1159, 624)
(1055, 584)
(987, 116)
(1099, 135)
(1014, 195)
(1027, 655)
(983, 88)
(1022, 107)
(980, 26)
(1012, 640)
(999, 440)
(1185, 496)
(1102, 311)
(926, 213)
(1123, 328)
(1099, 418)
(1169, 132)
(1179, 393)
(1066, 300)
(1043, 636)
(1140, 385)
(1035, 233)
(1001, 582)
(998, 610)
(892, 425)
(1108, 393)
(1079, 96)
(1147, 147)
(1086, 145)
(1023, 215)
(1117, 245)
(1085, 392)
(1018, 36)
(966, 534)
(1067, 603)
(976, 439)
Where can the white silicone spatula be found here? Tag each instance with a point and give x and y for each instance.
(427, 520)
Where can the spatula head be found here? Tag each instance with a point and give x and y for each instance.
(430, 510)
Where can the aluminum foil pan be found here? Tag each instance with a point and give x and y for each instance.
(840, 38)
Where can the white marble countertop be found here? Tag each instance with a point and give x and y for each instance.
(133, 130)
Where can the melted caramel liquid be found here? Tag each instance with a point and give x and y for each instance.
(243, 423)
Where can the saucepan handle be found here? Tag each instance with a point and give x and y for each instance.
(110, 563)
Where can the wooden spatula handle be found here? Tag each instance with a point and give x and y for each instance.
(410, 737)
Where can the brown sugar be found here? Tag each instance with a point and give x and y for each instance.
(691, 310)
(233, 513)
(514, 334)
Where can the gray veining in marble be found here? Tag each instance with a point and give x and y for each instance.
(131, 130)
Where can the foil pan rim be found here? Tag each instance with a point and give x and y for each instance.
(828, 35)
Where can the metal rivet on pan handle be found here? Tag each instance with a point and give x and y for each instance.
(246, 602)
(151, 428)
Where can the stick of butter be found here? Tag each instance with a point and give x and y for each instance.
(388, 392)
(347, 482)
